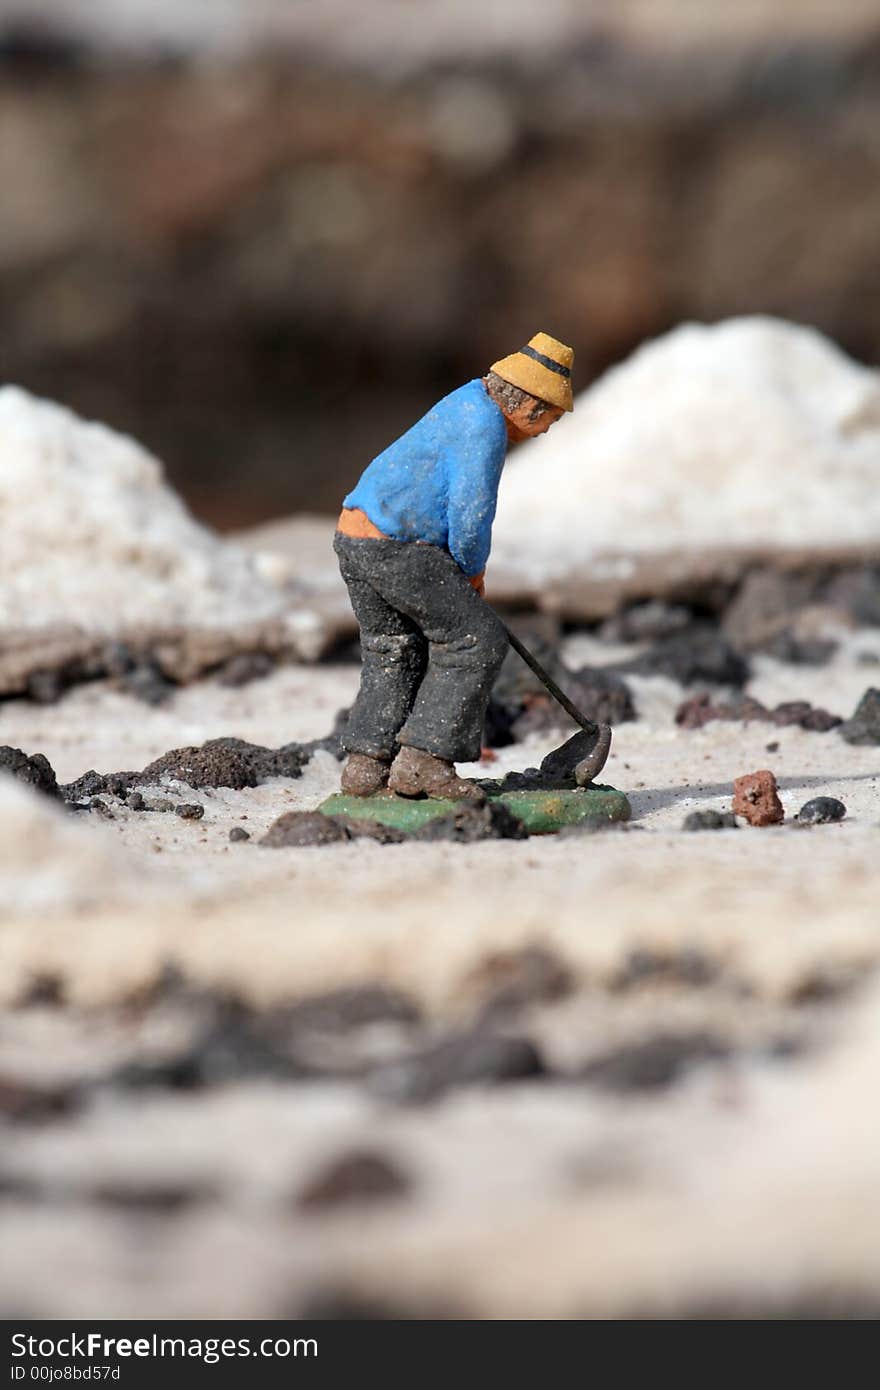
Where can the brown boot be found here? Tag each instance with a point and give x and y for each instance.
(417, 773)
(363, 775)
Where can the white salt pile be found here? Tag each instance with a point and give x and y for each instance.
(93, 537)
(753, 433)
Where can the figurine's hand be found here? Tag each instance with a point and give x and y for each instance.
(479, 582)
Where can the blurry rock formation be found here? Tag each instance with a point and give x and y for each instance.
(264, 237)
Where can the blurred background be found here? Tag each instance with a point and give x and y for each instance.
(263, 236)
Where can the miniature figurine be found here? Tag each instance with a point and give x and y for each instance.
(413, 539)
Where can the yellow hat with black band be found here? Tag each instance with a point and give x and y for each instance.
(543, 368)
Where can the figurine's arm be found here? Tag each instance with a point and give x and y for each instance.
(473, 492)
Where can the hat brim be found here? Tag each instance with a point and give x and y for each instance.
(553, 387)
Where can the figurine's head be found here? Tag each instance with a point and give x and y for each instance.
(533, 386)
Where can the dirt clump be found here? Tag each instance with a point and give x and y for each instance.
(298, 828)
(653, 1063)
(475, 1057)
(469, 824)
(352, 1179)
(512, 980)
(22, 1101)
(688, 967)
(34, 770)
(228, 762)
(701, 709)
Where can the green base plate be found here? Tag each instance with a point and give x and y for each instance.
(542, 813)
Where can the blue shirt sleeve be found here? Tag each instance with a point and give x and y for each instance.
(474, 467)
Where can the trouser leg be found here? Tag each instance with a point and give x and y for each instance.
(466, 647)
(394, 654)
(466, 643)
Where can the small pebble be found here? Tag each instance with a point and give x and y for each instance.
(190, 810)
(353, 1178)
(709, 820)
(238, 833)
(772, 747)
(158, 803)
(135, 802)
(822, 810)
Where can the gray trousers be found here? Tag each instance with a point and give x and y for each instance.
(431, 650)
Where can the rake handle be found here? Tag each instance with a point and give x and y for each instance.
(549, 684)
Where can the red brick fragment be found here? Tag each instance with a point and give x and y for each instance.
(756, 798)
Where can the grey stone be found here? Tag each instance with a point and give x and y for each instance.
(863, 729)
(709, 820)
(821, 811)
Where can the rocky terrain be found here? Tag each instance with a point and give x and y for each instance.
(250, 1069)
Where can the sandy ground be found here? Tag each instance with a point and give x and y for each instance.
(749, 1184)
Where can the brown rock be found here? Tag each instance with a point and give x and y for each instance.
(756, 799)
(353, 1178)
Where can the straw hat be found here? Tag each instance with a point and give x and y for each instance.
(543, 368)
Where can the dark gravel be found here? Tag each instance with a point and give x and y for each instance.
(698, 654)
(512, 980)
(246, 667)
(701, 710)
(93, 783)
(471, 1058)
(654, 1062)
(709, 820)
(221, 762)
(688, 967)
(146, 682)
(34, 770)
(352, 1179)
(469, 824)
(22, 1101)
(341, 1010)
(651, 621)
(231, 1048)
(297, 828)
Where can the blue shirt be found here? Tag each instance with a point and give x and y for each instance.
(439, 481)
